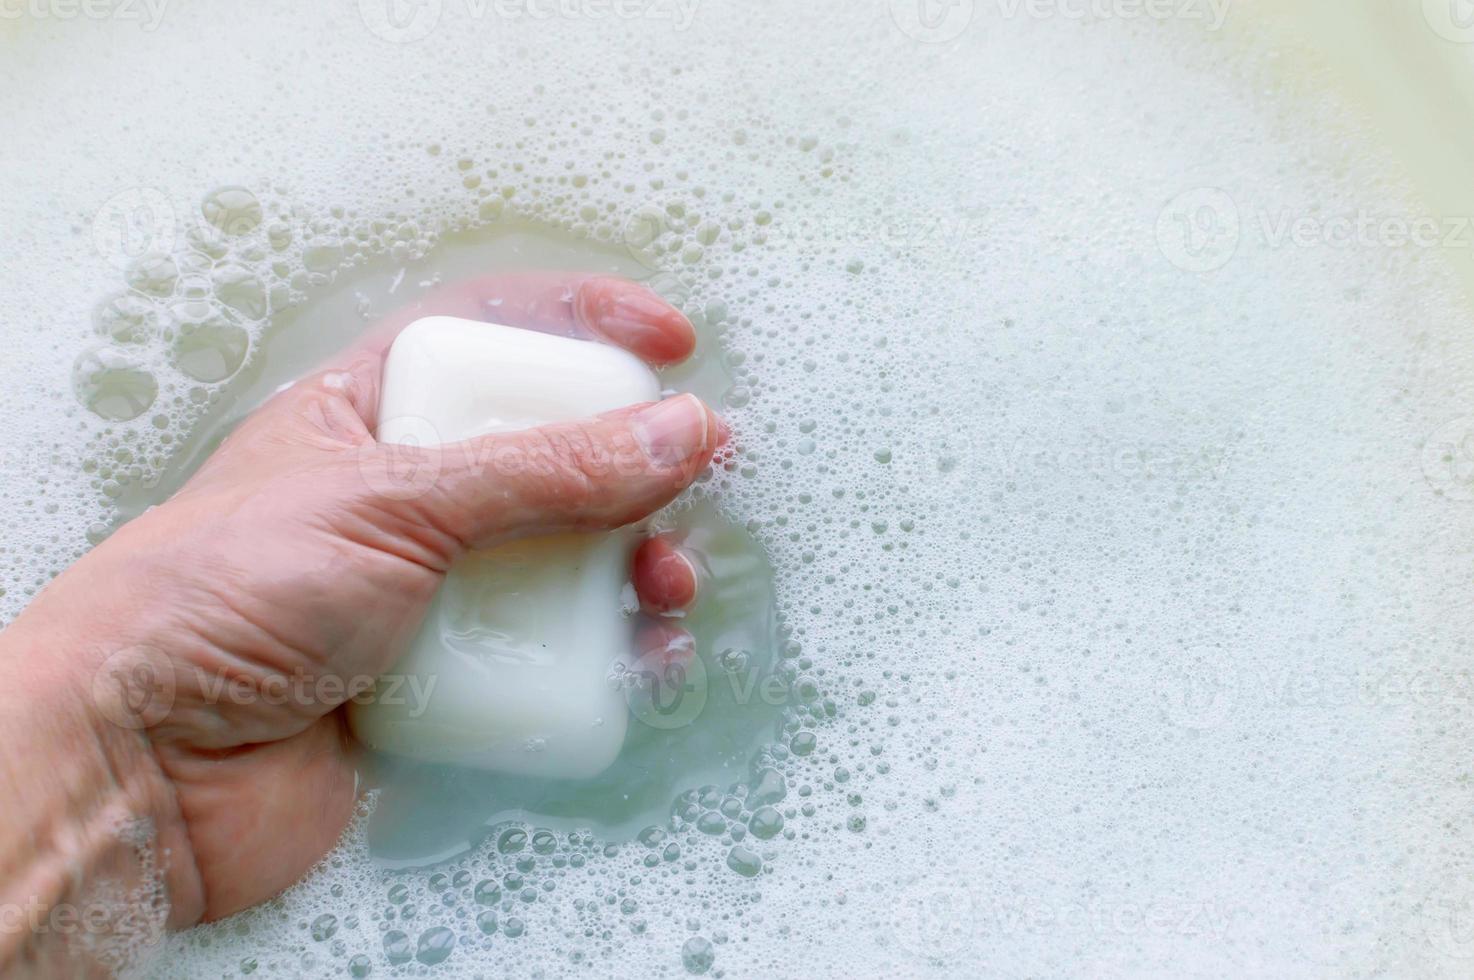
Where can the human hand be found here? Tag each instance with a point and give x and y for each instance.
(284, 565)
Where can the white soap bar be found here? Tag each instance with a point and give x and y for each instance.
(513, 662)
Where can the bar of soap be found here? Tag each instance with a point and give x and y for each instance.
(513, 661)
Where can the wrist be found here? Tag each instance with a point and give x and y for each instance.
(95, 858)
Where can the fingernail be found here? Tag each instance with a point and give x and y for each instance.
(640, 306)
(637, 318)
(672, 431)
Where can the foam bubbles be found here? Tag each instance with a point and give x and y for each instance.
(1108, 565)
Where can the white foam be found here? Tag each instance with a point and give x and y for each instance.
(1112, 557)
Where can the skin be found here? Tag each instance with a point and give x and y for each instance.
(290, 555)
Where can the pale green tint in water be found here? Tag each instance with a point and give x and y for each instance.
(1125, 540)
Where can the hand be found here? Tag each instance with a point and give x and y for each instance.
(280, 561)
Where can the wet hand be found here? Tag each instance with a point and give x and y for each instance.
(287, 572)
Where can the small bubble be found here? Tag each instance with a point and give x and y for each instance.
(324, 927)
(744, 861)
(397, 947)
(697, 955)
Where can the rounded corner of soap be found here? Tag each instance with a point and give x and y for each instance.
(416, 331)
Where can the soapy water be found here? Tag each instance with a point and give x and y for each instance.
(1117, 537)
(699, 723)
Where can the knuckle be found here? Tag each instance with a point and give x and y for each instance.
(573, 461)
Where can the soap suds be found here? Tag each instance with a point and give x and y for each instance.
(1122, 593)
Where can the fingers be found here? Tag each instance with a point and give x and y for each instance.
(665, 579)
(602, 308)
(631, 316)
(592, 474)
(659, 645)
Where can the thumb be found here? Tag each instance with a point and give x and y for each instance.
(591, 474)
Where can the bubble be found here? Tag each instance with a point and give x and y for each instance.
(697, 955)
(209, 347)
(239, 289)
(971, 419)
(397, 948)
(323, 255)
(232, 210)
(127, 318)
(112, 384)
(153, 274)
(435, 945)
(765, 823)
(744, 861)
(324, 927)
